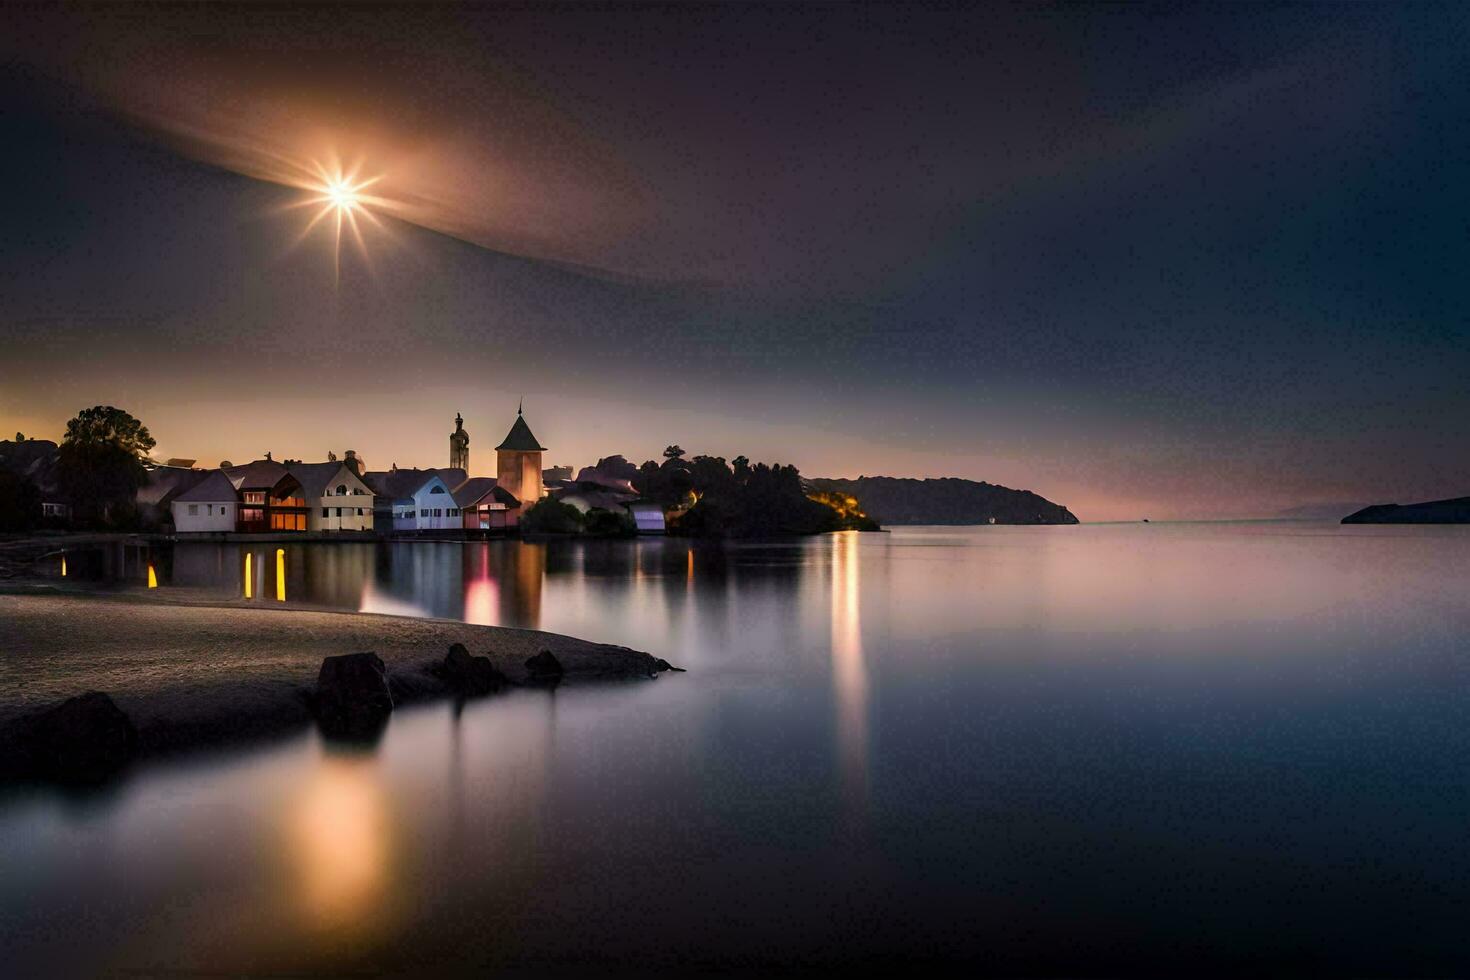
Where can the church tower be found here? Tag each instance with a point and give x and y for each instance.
(518, 462)
(459, 446)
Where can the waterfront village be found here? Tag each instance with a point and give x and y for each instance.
(103, 476)
(341, 496)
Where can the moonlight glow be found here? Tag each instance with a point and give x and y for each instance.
(339, 196)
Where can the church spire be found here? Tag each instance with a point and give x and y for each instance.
(459, 445)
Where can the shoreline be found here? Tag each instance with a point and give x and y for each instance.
(193, 673)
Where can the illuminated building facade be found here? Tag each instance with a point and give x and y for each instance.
(518, 463)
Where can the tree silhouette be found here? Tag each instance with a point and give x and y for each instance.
(100, 466)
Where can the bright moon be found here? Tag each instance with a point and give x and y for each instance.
(340, 196)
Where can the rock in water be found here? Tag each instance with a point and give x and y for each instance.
(544, 666)
(469, 674)
(82, 738)
(352, 696)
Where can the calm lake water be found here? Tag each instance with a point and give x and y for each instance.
(1097, 749)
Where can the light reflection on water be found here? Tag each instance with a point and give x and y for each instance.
(849, 673)
(1068, 750)
(342, 840)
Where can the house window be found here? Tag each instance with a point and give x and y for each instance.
(255, 496)
(341, 489)
(359, 512)
(324, 511)
(437, 490)
(339, 511)
(193, 510)
(224, 509)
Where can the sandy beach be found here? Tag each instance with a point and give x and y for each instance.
(190, 672)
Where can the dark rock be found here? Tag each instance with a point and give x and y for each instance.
(352, 696)
(544, 666)
(469, 674)
(84, 737)
(662, 664)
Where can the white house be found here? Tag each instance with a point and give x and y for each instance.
(427, 506)
(336, 499)
(211, 505)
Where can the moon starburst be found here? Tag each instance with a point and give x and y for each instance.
(339, 196)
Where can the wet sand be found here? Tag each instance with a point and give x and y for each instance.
(190, 672)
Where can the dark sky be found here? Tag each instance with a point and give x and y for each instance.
(1190, 262)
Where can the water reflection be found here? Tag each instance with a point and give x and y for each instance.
(340, 842)
(481, 590)
(849, 671)
(991, 746)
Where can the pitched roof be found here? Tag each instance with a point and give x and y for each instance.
(452, 476)
(317, 478)
(472, 490)
(35, 459)
(403, 484)
(258, 473)
(215, 486)
(394, 484)
(597, 478)
(164, 483)
(519, 438)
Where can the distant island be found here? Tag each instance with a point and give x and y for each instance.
(895, 500)
(1318, 512)
(1454, 511)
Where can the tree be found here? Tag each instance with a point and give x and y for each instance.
(100, 465)
(609, 524)
(105, 425)
(673, 452)
(550, 516)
